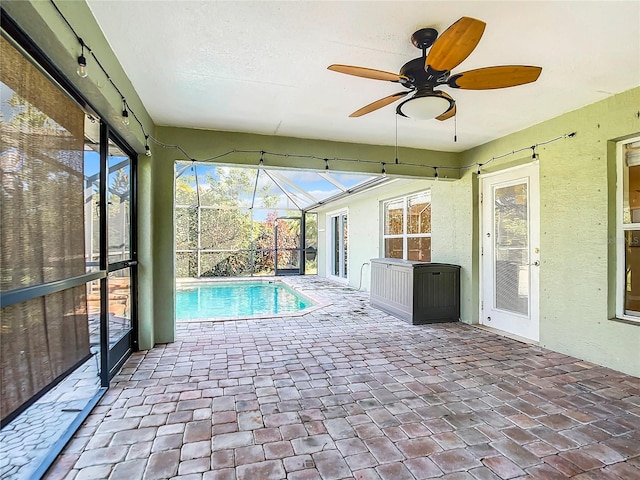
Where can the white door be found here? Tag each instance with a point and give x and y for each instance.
(511, 251)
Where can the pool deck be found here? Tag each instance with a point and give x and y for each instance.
(349, 392)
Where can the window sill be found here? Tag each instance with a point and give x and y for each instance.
(628, 320)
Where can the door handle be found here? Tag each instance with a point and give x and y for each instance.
(536, 263)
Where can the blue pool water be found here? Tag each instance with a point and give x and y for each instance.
(237, 300)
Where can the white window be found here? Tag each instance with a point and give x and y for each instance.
(628, 274)
(407, 227)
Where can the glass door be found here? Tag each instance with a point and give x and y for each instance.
(339, 245)
(121, 257)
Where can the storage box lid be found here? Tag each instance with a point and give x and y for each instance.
(410, 263)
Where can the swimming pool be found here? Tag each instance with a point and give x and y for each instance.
(226, 300)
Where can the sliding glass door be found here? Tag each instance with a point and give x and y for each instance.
(68, 259)
(110, 228)
(121, 258)
(338, 241)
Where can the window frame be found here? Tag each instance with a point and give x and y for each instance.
(621, 230)
(405, 236)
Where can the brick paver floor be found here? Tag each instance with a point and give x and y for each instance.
(350, 392)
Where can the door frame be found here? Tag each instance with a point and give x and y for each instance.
(114, 353)
(534, 293)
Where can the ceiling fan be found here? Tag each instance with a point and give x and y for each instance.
(422, 75)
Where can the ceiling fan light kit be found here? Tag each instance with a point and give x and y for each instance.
(425, 105)
(422, 75)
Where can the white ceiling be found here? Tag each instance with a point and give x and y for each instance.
(261, 67)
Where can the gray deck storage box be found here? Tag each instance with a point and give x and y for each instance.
(416, 292)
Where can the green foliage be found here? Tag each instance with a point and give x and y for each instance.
(311, 233)
(226, 264)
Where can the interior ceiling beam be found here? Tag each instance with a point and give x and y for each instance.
(205, 144)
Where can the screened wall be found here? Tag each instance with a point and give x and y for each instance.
(246, 221)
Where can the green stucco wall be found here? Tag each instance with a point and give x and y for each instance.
(146, 333)
(164, 287)
(454, 234)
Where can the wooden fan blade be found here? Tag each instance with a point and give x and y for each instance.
(455, 44)
(383, 102)
(495, 77)
(367, 73)
(448, 114)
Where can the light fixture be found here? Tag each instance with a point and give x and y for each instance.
(147, 150)
(425, 104)
(125, 113)
(384, 170)
(326, 164)
(82, 64)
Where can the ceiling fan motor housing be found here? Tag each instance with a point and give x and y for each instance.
(419, 77)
